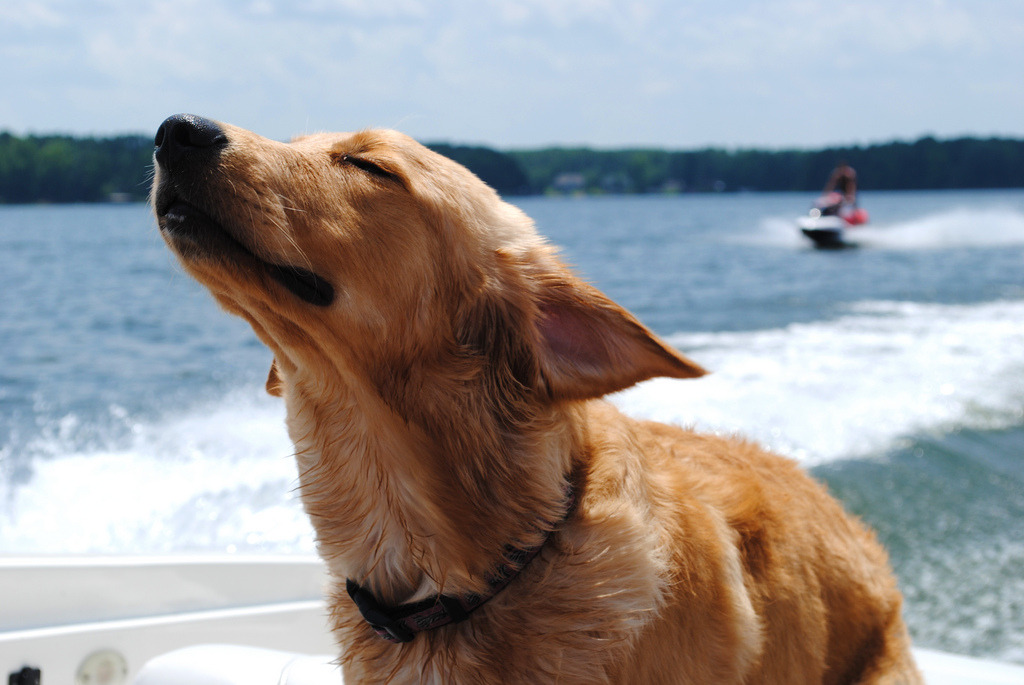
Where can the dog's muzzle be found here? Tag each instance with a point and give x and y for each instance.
(187, 147)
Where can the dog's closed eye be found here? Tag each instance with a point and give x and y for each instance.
(368, 166)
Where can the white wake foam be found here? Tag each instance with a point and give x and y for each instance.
(222, 477)
(962, 227)
(854, 386)
(217, 478)
(958, 228)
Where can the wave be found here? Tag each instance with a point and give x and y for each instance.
(221, 476)
(218, 477)
(958, 228)
(855, 386)
(953, 228)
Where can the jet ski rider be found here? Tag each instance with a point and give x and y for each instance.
(843, 181)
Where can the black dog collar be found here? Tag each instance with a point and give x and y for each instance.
(401, 623)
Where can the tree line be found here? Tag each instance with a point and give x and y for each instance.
(72, 169)
(924, 164)
(84, 169)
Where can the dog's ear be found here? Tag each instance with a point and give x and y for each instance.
(274, 384)
(590, 346)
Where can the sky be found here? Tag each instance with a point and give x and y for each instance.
(520, 74)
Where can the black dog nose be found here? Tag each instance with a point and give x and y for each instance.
(187, 136)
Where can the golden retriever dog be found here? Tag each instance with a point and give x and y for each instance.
(485, 516)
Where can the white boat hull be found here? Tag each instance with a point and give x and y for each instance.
(57, 612)
(235, 665)
(218, 620)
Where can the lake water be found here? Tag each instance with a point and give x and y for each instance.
(133, 419)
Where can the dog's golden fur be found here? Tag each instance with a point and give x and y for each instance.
(441, 399)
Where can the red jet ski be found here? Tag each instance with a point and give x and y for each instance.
(828, 220)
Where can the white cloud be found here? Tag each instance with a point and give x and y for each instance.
(522, 72)
(22, 16)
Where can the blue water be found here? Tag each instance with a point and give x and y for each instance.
(133, 420)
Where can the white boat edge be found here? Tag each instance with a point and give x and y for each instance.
(220, 620)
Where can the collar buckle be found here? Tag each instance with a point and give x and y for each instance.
(375, 615)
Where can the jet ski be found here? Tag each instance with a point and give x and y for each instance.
(827, 221)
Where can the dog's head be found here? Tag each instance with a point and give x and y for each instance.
(366, 253)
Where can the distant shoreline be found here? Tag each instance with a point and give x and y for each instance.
(135, 202)
(67, 169)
